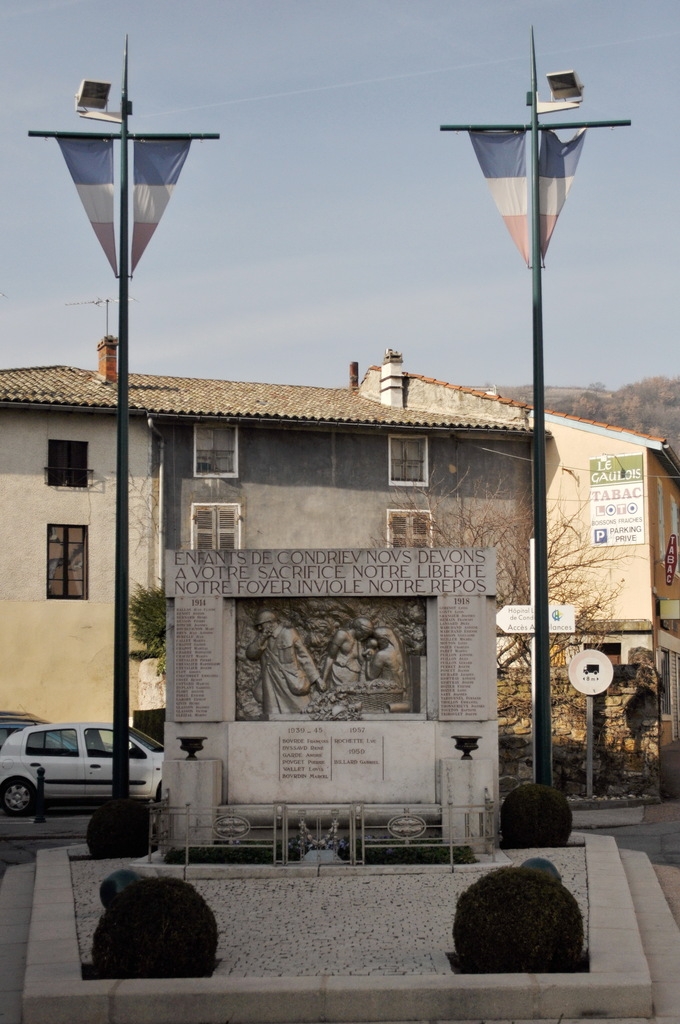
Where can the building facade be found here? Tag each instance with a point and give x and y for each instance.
(625, 488)
(58, 480)
(395, 459)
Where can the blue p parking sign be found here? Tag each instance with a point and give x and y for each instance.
(600, 536)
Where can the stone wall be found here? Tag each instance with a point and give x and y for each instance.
(626, 732)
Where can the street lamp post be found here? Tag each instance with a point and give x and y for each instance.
(566, 88)
(93, 95)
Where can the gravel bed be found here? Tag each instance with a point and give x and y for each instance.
(377, 924)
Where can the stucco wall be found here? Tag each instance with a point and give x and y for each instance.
(57, 655)
(29, 504)
(60, 665)
(316, 488)
(435, 396)
(568, 475)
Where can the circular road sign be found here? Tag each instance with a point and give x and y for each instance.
(590, 672)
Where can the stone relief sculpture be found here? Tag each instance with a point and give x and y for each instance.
(386, 668)
(345, 659)
(287, 669)
(364, 651)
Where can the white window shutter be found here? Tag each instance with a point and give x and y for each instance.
(203, 527)
(227, 526)
(398, 529)
(421, 523)
(408, 529)
(215, 527)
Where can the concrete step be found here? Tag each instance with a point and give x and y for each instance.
(16, 901)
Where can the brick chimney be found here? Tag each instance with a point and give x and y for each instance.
(392, 380)
(108, 358)
(353, 376)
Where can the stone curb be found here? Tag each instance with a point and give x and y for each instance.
(618, 984)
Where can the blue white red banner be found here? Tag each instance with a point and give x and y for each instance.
(502, 157)
(557, 164)
(90, 162)
(157, 169)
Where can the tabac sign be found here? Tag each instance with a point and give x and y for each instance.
(343, 572)
(617, 513)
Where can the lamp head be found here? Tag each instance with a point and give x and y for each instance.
(565, 85)
(92, 94)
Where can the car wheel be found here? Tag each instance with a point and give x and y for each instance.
(17, 796)
(159, 793)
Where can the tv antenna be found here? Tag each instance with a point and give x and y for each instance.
(98, 302)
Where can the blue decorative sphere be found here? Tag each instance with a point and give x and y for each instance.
(115, 883)
(542, 864)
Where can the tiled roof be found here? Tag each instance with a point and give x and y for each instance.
(68, 386)
(607, 426)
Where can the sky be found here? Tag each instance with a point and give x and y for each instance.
(333, 219)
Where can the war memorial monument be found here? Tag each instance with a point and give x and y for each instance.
(325, 676)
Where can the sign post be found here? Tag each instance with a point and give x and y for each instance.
(590, 672)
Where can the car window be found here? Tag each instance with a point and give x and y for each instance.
(5, 731)
(99, 742)
(53, 743)
(146, 741)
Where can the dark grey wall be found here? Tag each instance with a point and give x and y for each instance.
(330, 488)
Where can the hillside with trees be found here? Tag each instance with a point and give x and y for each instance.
(650, 406)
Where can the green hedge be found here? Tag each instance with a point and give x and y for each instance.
(238, 854)
(152, 722)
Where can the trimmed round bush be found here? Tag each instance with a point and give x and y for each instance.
(119, 828)
(517, 920)
(156, 928)
(535, 815)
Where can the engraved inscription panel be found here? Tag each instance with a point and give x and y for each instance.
(316, 753)
(198, 659)
(336, 572)
(462, 683)
(308, 762)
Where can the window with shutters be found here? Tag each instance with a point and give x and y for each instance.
(408, 461)
(216, 527)
(67, 464)
(215, 451)
(67, 562)
(409, 529)
(664, 665)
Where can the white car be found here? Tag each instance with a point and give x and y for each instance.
(77, 758)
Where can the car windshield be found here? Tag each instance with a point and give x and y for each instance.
(146, 741)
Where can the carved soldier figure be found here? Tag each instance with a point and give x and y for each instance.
(344, 662)
(287, 669)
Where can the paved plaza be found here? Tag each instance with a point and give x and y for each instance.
(279, 927)
(395, 924)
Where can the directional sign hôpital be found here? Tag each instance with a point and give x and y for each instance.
(519, 618)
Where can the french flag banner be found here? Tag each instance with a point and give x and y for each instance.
(557, 164)
(157, 169)
(502, 157)
(90, 162)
